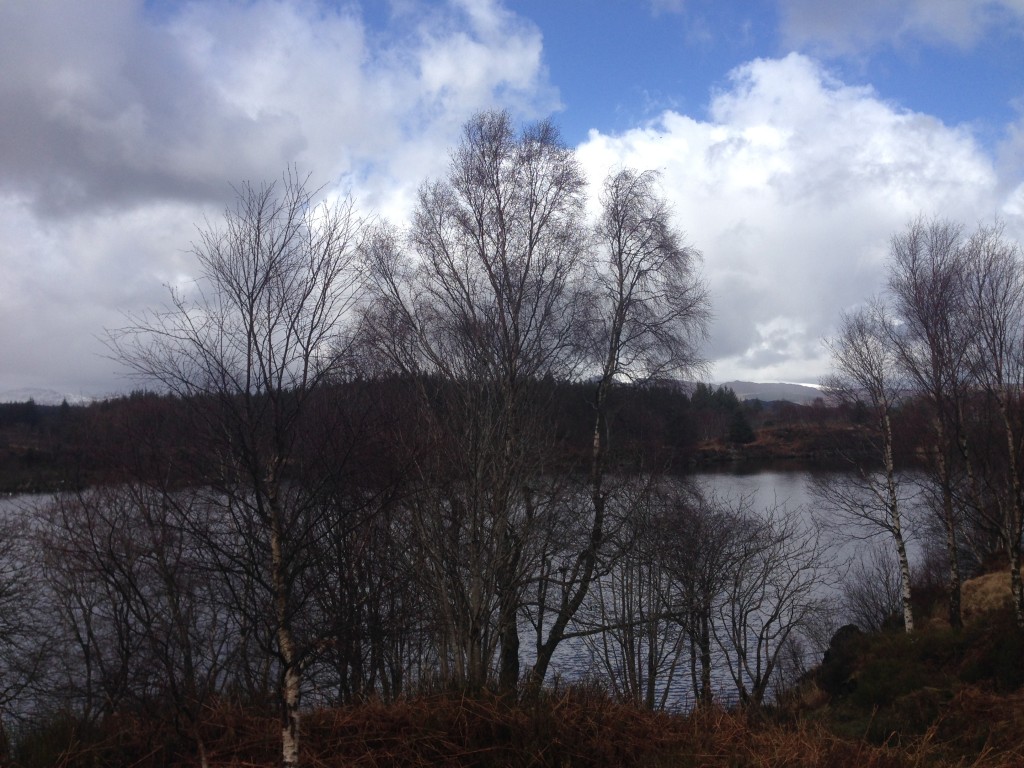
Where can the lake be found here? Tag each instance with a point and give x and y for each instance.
(760, 489)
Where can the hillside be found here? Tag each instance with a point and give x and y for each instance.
(801, 394)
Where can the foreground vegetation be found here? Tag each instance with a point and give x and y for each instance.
(939, 698)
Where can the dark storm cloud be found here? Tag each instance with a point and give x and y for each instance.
(102, 108)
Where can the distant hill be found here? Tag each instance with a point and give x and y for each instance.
(794, 393)
(43, 397)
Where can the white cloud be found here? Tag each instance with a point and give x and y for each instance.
(851, 28)
(69, 280)
(122, 126)
(1010, 156)
(105, 104)
(792, 189)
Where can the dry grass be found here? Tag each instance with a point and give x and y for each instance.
(573, 728)
(576, 727)
(986, 594)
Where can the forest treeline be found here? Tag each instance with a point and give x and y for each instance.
(672, 427)
(371, 462)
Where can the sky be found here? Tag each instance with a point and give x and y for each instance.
(794, 138)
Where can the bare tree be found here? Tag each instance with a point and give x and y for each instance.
(867, 372)
(26, 642)
(993, 289)
(626, 621)
(144, 625)
(509, 290)
(702, 538)
(929, 337)
(776, 590)
(261, 335)
(649, 313)
(85, 555)
(739, 588)
(479, 302)
(872, 591)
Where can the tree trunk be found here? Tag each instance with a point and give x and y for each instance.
(291, 679)
(694, 679)
(949, 524)
(204, 760)
(290, 723)
(897, 525)
(508, 672)
(508, 614)
(705, 658)
(908, 607)
(1015, 526)
(955, 616)
(1017, 585)
(651, 664)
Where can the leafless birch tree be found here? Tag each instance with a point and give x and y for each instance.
(262, 332)
(866, 371)
(141, 623)
(993, 290)
(481, 295)
(930, 341)
(649, 314)
(497, 286)
(26, 642)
